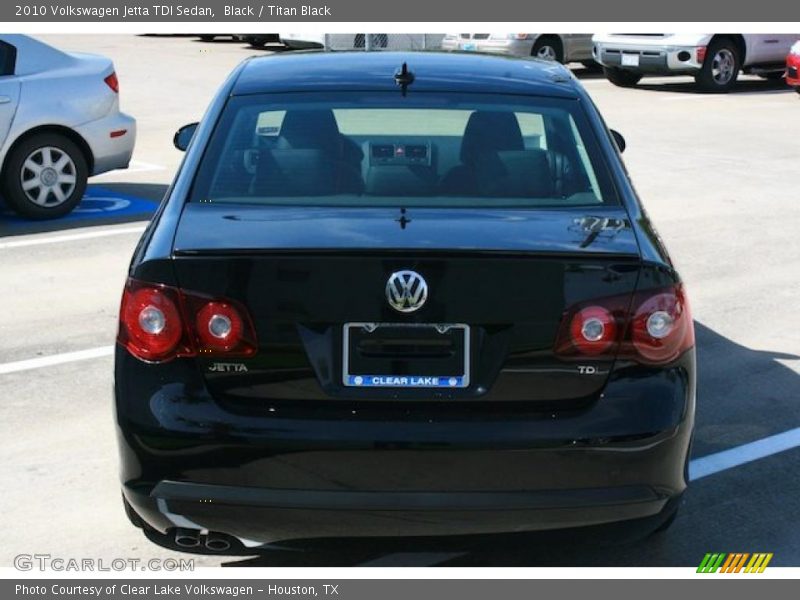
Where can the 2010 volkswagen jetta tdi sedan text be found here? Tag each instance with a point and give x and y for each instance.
(400, 295)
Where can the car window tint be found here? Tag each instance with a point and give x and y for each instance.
(380, 152)
(8, 58)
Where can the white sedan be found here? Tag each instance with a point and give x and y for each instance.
(60, 123)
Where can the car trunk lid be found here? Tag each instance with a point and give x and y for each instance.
(503, 277)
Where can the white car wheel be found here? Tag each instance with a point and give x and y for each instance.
(44, 176)
(48, 176)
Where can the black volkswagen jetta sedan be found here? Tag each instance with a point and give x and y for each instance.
(400, 294)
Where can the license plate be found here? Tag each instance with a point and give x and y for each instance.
(469, 47)
(630, 60)
(406, 355)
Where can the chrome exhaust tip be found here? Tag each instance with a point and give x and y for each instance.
(187, 538)
(217, 543)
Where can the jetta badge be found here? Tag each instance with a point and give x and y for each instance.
(406, 291)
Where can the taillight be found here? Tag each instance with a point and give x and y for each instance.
(593, 330)
(159, 323)
(661, 328)
(150, 325)
(112, 82)
(219, 326)
(653, 327)
(701, 54)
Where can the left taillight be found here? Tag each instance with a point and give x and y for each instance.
(113, 82)
(158, 323)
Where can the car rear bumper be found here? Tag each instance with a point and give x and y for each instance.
(259, 516)
(111, 140)
(189, 461)
(655, 60)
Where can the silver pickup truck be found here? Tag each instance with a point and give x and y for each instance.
(714, 59)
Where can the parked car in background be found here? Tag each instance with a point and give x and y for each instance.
(360, 41)
(400, 294)
(561, 47)
(259, 40)
(714, 59)
(211, 37)
(59, 124)
(793, 67)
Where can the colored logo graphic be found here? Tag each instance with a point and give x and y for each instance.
(737, 562)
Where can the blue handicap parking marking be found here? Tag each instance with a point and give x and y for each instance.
(99, 205)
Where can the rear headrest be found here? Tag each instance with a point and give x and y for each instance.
(490, 131)
(515, 174)
(310, 130)
(294, 173)
(398, 180)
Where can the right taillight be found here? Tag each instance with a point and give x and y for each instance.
(661, 328)
(158, 323)
(653, 327)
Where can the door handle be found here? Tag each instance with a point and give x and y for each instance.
(5, 99)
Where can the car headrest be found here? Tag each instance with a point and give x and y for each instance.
(294, 173)
(397, 180)
(515, 174)
(310, 130)
(490, 131)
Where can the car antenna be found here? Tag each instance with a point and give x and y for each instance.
(404, 78)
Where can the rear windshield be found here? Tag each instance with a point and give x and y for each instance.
(388, 150)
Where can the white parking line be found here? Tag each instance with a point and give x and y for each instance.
(55, 359)
(740, 455)
(136, 166)
(40, 239)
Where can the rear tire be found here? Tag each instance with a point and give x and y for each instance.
(44, 176)
(669, 514)
(667, 523)
(621, 77)
(132, 515)
(548, 48)
(720, 68)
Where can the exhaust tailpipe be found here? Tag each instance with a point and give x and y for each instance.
(187, 538)
(217, 542)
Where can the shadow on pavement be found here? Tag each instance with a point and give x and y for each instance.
(743, 395)
(742, 87)
(585, 73)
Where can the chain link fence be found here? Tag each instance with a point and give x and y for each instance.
(383, 41)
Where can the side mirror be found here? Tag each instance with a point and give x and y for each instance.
(183, 136)
(618, 140)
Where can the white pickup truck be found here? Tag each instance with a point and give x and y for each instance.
(714, 59)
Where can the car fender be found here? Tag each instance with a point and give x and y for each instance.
(20, 129)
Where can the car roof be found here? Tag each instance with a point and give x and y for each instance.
(375, 71)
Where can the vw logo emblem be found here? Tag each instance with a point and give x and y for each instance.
(406, 291)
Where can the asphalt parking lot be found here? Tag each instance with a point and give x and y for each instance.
(718, 175)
